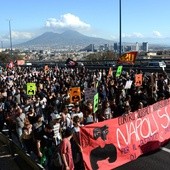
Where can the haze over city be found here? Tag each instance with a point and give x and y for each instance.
(141, 20)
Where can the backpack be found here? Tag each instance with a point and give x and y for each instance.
(56, 158)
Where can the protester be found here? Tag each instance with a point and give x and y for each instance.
(51, 104)
(66, 150)
(27, 138)
(76, 148)
(45, 142)
(20, 122)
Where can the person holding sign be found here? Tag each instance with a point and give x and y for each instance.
(138, 79)
(31, 89)
(88, 116)
(75, 94)
(119, 71)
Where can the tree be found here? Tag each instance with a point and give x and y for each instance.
(6, 58)
(109, 55)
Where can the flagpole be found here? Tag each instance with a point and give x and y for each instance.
(120, 29)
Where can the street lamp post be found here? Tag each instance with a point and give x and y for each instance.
(120, 29)
(2, 45)
(10, 38)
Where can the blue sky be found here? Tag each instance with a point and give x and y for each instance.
(142, 20)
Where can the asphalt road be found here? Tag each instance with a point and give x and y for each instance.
(158, 160)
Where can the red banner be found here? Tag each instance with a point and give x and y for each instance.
(20, 62)
(111, 143)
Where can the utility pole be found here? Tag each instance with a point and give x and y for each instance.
(120, 29)
(2, 45)
(10, 38)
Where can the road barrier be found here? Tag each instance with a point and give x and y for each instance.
(20, 157)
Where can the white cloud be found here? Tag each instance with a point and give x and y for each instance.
(113, 37)
(67, 21)
(16, 35)
(125, 35)
(138, 35)
(22, 35)
(157, 34)
(133, 35)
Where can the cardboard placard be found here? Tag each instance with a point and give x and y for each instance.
(31, 89)
(119, 71)
(138, 80)
(96, 103)
(75, 94)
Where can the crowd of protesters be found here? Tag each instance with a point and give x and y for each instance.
(43, 121)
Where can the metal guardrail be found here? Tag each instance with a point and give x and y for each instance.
(25, 160)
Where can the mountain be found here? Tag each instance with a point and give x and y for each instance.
(65, 39)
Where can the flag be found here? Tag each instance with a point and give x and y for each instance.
(10, 65)
(128, 57)
(71, 63)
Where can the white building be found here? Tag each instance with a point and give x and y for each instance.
(137, 46)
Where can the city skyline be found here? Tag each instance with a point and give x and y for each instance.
(145, 20)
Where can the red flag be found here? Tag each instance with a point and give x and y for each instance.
(20, 62)
(10, 65)
(128, 57)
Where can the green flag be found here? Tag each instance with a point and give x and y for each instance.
(119, 71)
(95, 103)
(31, 89)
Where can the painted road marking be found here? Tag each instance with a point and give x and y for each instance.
(165, 149)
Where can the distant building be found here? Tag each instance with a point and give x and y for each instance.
(115, 47)
(145, 46)
(106, 47)
(89, 48)
(137, 46)
(151, 54)
(128, 48)
(101, 48)
(122, 49)
(111, 48)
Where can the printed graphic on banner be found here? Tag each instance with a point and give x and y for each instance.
(90, 93)
(128, 84)
(138, 80)
(31, 89)
(128, 57)
(75, 94)
(112, 143)
(96, 103)
(119, 71)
